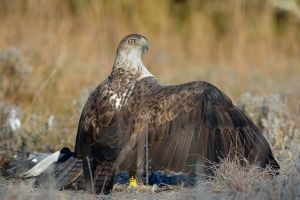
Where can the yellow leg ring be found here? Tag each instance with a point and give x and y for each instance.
(132, 182)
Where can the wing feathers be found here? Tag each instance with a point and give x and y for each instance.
(202, 125)
(188, 126)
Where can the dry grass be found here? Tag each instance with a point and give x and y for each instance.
(231, 181)
(277, 116)
(69, 48)
(53, 53)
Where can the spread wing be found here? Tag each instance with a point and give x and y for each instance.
(191, 125)
(102, 128)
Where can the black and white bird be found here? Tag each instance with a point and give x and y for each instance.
(60, 168)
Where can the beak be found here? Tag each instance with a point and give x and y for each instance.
(144, 44)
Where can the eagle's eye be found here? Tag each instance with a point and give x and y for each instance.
(131, 41)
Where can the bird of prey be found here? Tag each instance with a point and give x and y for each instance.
(132, 123)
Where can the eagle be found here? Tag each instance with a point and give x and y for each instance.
(132, 123)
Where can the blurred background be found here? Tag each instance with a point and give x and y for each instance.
(53, 53)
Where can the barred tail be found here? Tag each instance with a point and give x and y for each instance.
(103, 176)
(68, 172)
(63, 175)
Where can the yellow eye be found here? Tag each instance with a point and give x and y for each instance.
(131, 41)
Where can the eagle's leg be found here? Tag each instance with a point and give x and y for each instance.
(104, 177)
(89, 167)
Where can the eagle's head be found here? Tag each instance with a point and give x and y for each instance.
(133, 44)
(129, 54)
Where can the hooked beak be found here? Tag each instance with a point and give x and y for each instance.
(144, 44)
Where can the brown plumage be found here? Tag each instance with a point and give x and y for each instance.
(130, 118)
(61, 175)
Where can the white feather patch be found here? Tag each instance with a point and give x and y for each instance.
(41, 166)
(118, 100)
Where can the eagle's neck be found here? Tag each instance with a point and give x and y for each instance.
(128, 69)
(131, 64)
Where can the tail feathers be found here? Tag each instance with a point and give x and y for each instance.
(102, 173)
(63, 175)
(68, 172)
(104, 177)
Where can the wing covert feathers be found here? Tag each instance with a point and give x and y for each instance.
(181, 128)
(196, 123)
